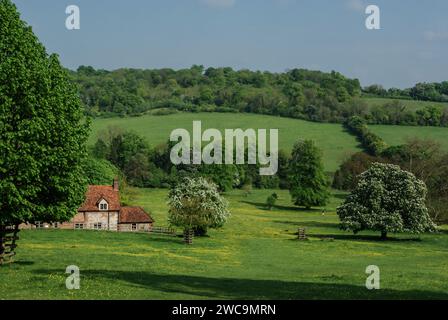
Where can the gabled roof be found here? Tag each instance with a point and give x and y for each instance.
(96, 193)
(134, 215)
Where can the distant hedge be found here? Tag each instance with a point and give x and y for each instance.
(371, 142)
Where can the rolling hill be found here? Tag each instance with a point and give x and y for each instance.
(335, 142)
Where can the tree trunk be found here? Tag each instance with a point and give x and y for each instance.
(8, 237)
(2, 247)
(383, 235)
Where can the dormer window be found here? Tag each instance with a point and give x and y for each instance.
(103, 205)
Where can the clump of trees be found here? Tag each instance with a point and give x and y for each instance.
(307, 181)
(195, 204)
(386, 199)
(145, 166)
(43, 130)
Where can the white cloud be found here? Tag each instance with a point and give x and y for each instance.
(435, 36)
(356, 5)
(219, 3)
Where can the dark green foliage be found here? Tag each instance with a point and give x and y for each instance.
(144, 166)
(99, 171)
(225, 176)
(437, 92)
(283, 170)
(42, 129)
(346, 177)
(307, 181)
(271, 200)
(298, 93)
(100, 149)
(370, 141)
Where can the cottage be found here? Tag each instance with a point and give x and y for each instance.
(102, 210)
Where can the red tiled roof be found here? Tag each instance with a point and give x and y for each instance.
(134, 215)
(96, 193)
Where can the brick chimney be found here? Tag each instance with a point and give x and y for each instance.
(115, 185)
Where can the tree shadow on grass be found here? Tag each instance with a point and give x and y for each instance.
(341, 196)
(228, 288)
(23, 263)
(358, 237)
(166, 239)
(17, 263)
(263, 206)
(309, 224)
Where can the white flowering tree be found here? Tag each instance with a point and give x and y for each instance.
(386, 199)
(196, 203)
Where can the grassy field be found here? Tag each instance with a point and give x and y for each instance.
(255, 256)
(335, 143)
(395, 135)
(411, 105)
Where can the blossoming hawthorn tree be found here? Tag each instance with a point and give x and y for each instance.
(386, 199)
(43, 130)
(196, 203)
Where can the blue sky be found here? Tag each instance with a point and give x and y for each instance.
(274, 35)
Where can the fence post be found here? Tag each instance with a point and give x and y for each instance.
(302, 234)
(188, 236)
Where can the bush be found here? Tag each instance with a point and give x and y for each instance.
(271, 200)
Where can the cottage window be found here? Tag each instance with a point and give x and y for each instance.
(103, 205)
(39, 225)
(79, 226)
(134, 227)
(97, 226)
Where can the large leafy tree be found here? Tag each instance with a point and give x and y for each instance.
(308, 184)
(42, 129)
(386, 199)
(195, 204)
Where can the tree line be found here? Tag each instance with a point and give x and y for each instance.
(297, 93)
(421, 91)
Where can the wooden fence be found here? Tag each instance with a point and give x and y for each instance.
(163, 231)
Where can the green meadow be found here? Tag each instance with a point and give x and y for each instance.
(255, 256)
(411, 105)
(335, 143)
(395, 135)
